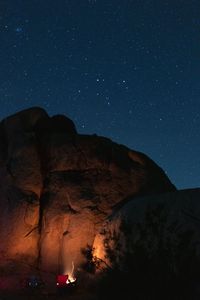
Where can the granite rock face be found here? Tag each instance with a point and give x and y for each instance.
(167, 223)
(57, 187)
(150, 248)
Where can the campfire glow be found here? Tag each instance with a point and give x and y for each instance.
(71, 278)
(99, 248)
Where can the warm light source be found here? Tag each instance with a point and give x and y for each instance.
(71, 278)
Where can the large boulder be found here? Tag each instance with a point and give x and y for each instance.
(154, 242)
(58, 187)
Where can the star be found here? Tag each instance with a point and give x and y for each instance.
(19, 29)
(115, 65)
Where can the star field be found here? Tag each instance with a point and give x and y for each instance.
(128, 70)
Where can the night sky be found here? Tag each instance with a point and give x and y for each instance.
(125, 69)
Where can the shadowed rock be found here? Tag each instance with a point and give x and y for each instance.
(57, 187)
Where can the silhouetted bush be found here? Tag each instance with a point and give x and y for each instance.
(161, 263)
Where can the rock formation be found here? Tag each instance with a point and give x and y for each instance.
(148, 220)
(150, 248)
(57, 188)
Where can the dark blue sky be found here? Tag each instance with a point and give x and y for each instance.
(128, 70)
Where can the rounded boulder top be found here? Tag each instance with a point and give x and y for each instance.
(37, 119)
(24, 120)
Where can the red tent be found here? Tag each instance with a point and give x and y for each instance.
(62, 280)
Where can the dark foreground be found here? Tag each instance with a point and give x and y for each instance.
(132, 293)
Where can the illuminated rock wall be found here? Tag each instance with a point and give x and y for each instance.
(57, 187)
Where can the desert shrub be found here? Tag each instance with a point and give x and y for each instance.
(160, 263)
(91, 261)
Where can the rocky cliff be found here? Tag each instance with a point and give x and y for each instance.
(57, 187)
